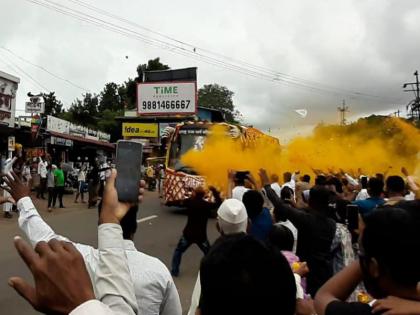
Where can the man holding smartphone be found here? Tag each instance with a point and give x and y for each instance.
(110, 274)
(155, 291)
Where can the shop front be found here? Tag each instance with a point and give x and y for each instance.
(71, 143)
(74, 149)
(8, 88)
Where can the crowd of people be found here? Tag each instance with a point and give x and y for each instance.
(338, 243)
(155, 176)
(51, 180)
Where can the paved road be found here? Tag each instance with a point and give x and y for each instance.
(158, 233)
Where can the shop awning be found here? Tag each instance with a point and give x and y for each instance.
(84, 140)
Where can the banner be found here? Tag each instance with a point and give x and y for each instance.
(140, 130)
(61, 141)
(166, 98)
(11, 143)
(35, 104)
(58, 125)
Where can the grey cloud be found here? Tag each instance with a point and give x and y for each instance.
(365, 46)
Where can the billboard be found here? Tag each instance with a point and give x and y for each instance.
(63, 126)
(166, 98)
(35, 104)
(140, 130)
(58, 125)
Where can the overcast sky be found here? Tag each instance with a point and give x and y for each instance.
(363, 46)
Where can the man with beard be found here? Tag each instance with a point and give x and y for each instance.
(388, 277)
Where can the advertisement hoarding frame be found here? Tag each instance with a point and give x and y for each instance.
(172, 113)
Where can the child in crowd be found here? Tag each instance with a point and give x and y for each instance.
(281, 238)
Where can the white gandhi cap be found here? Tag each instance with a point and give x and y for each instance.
(232, 217)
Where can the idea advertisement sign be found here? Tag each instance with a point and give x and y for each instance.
(147, 130)
(166, 98)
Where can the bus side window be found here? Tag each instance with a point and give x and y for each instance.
(173, 153)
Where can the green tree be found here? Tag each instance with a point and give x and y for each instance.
(219, 97)
(107, 123)
(85, 111)
(53, 106)
(152, 65)
(130, 86)
(110, 98)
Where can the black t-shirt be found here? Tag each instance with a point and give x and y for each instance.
(198, 214)
(198, 211)
(344, 308)
(315, 235)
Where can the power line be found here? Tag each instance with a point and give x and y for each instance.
(277, 75)
(82, 16)
(17, 73)
(20, 70)
(278, 78)
(44, 69)
(147, 41)
(195, 48)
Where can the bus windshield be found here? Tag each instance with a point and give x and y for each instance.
(187, 139)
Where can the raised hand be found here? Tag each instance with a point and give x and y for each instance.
(303, 269)
(112, 209)
(404, 171)
(61, 280)
(264, 177)
(231, 174)
(15, 187)
(6, 199)
(9, 166)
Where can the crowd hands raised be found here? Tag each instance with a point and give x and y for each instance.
(345, 244)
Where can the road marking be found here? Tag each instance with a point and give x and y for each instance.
(147, 218)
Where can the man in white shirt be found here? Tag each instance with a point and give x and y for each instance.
(154, 287)
(275, 184)
(290, 180)
(239, 190)
(62, 284)
(7, 168)
(363, 193)
(42, 172)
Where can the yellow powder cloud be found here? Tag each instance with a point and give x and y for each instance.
(372, 144)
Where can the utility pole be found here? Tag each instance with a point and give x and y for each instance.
(413, 107)
(343, 110)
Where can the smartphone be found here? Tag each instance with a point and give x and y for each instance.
(242, 175)
(128, 165)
